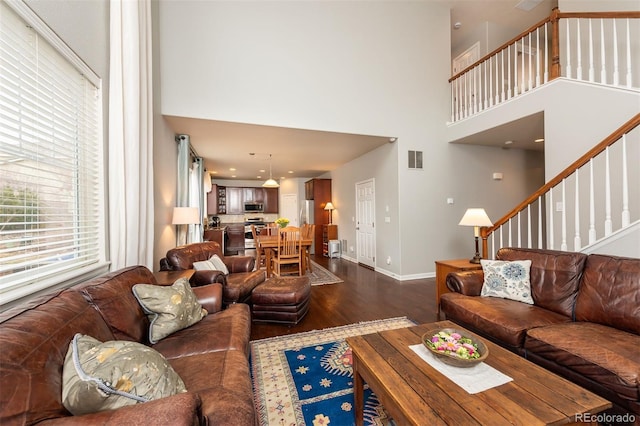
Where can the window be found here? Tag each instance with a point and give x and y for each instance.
(51, 171)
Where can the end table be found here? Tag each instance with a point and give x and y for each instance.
(443, 267)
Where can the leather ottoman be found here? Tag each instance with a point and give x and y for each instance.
(281, 300)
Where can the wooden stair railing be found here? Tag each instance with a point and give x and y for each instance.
(534, 57)
(539, 195)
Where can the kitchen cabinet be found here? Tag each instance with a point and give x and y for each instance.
(270, 200)
(216, 235)
(235, 240)
(235, 204)
(249, 195)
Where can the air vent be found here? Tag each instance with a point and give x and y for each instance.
(415, 160)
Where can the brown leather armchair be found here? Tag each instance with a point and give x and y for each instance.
(237, 286)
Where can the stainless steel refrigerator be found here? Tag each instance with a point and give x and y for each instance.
(306, 216)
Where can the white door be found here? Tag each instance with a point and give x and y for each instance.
(365, 223)
(289, 209)
(468, 88)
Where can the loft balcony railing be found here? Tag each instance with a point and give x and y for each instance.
(595, 197)
(598, 47)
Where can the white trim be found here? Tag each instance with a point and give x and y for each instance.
(25, 12)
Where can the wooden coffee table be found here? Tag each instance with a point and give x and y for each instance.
(414, 393)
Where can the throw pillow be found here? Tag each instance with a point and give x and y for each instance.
(508, 280)
(204, 265)
(219, 264)
(169, 309)
(100, 376)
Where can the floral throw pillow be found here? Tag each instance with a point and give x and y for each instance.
(508, 280)
(169, 309)
(99, 376)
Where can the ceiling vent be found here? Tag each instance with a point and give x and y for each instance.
(415, 160)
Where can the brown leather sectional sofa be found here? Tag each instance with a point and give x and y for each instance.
(584, 325)
(238, 285)
(211, 356)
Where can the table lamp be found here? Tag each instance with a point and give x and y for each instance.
(329, 207)
(184, 216)
(476, 218)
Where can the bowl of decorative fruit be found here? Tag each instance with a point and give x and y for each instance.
(455, 347)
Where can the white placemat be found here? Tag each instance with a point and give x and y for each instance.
(474, 379)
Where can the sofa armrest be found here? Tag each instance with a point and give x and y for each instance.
(210, 297)
(206, 277)
(468, 283)
(164, 265)
(240, 263)
(183, 410)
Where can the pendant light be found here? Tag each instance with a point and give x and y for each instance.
(270, 183)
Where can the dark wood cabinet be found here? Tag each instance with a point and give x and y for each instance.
(319, 190)
(235, 238)
(270, 200)
(235, 203)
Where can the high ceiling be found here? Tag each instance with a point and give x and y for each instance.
(226, 146)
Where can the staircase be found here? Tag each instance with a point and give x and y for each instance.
(597, 198)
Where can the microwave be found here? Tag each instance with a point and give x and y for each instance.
(253, 207)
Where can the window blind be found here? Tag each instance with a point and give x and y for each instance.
(51, 182)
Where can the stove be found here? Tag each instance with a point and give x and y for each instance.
(258, 222)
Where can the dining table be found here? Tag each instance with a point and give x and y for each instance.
(267, 243)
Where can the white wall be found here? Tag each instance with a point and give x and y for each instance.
(353, 67)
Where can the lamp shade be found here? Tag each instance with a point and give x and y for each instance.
(475, 217)
(270, 183)
(185, 215)
(329, 206)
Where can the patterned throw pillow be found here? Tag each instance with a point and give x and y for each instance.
(169, 309)
(100, 376)
(508, 280)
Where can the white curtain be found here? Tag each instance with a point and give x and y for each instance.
(182, 185)
(195, 199)
(131, 201)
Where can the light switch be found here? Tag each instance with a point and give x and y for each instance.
(387, 219)
(449, 200)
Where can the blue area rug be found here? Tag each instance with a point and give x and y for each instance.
(306, 378)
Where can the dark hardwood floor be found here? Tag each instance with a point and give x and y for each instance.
(364, 295)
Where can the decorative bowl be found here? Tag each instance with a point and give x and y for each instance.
(452, 358)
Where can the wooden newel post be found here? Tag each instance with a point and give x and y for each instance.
(485, 248)
(555, 44)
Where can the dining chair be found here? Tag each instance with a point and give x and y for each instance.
(260, 259)
(308, 231)
(288, 252)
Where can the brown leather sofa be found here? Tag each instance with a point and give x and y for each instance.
(584, 324)
(237, 286)
(211, 356)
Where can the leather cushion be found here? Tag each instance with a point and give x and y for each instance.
(610, 292)
(555, 276)
(229, 329)
(503, 319)
(240, 284)
(223, 381)
(604, 354)
(282, 291)
(111, 295)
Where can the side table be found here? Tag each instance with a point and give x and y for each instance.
(443, 267)
(169, 277)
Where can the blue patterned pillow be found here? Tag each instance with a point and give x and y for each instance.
(508, 280)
